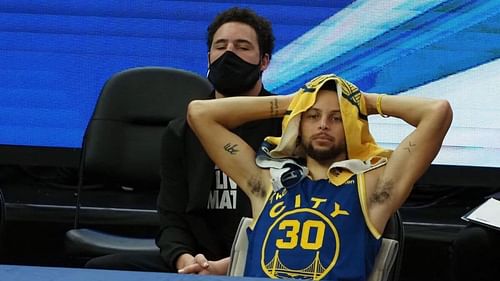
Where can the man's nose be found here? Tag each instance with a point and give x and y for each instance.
(230, 47)
(323, 125)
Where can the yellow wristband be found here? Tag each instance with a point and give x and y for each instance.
(379, 106)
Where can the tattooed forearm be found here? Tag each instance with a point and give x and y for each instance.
(274, 107)
(410, 146)
(231, 148)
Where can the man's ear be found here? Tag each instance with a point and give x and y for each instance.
(264, 63)
(208, 64)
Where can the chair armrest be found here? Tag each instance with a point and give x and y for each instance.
(239, 249)
(92, 243)
(384, 260)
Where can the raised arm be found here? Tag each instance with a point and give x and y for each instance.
(212, 121)
(431, 119)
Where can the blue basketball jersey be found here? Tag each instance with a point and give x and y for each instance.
(314, 230)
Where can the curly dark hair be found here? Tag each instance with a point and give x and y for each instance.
(261, 25)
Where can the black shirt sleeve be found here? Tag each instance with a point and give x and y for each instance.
(175, 237)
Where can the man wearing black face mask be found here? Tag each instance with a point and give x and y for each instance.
(232, 76)
(199, 206)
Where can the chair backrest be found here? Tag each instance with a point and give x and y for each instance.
(123, 137)
(2, 216)
(387, 264)
(122, 142)
(2, 224)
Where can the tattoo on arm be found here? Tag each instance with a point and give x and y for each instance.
(410, 146)
(231, 148)
(274, 107)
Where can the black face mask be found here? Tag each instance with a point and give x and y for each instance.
(232, 76)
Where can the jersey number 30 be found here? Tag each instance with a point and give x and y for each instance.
(300, 233)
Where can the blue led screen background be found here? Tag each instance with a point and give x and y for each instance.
(56, 55)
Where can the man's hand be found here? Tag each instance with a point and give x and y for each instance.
(184, 260)
(187, 264)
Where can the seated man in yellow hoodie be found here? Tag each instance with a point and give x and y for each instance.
(323, 192)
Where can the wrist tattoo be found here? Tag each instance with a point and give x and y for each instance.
(231, 148)
(274, 107)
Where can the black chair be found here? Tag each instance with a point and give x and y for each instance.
(122, 146)
(395, 230)
(2, 217)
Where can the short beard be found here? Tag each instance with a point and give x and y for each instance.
(322, 156)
